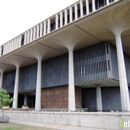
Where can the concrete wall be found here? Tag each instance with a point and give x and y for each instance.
(106, 120)
(57, 97)
(110, 98)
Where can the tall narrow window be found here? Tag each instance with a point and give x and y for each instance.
(79, 11)
(22, 40)
(2, 48)
(68, 16)
(84, 8)
(108, 62)
(73, 14)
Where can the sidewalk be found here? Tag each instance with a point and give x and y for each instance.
(52, 126)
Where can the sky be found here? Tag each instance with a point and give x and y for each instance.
(17, 16)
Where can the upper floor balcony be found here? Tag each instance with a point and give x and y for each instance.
(64, 17)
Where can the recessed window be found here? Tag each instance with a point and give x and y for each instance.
(22, 40)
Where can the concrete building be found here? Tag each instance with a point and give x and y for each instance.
(77, 58)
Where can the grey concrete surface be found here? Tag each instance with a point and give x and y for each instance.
(52, 126)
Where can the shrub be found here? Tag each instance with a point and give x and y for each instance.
(5, 99)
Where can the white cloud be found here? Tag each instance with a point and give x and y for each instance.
(16, 16)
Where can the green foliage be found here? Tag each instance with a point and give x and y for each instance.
(5, 99)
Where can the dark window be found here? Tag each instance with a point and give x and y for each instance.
(58, 23)
(2, 50)
(100, 3)
(78, 13)
(63, 19)
(90, 7)
(68, 17)
(111, 1)
(78, 6)
(84, 10)
(22, 40)
(73, 14)
(53, 26)
(108, 62)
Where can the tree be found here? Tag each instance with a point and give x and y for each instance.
(5, 98)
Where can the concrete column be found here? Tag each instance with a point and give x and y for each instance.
(125, 102)
(1, 78)
(5, 48)
(31, 35)
(48, 27)
(14, 44)
(28, 37)
(107, 2)
(38, 85)
(45, 27)
(81, 8)
(34, 33)
(15, 97)
(25, 35)
(65, 16)
(25, 99)
(93, 5)
(76, 13)
(10, 45)
(41, 29)
(20, 39)
(56, 21)
(70, 8)
(87, 7)
(71, 88)
(61, 19)
(17, 42)
(17, 38)
(98, 98)
(38, 31)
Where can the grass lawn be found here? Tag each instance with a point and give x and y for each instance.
(12, 126)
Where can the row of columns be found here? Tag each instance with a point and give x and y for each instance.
(125, 102)
(12, 45)
(44, 27)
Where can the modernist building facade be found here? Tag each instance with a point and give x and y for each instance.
(77, 58)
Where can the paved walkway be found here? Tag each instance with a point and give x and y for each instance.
(52, 126)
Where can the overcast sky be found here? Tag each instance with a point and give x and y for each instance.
(16, 16)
